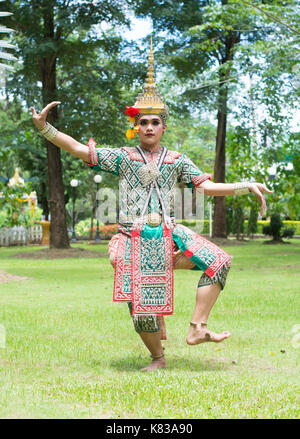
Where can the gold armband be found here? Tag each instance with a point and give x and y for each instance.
(241, 188)
(49, 132)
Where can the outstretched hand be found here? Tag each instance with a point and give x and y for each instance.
(39, 119)
(258, 189)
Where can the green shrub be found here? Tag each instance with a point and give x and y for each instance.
(252, 223)
(293, 224)
(274, 228)
(3, 218)
(195, 223)
(288, 224)
(24, 217)
(82, 228)
(288, 233)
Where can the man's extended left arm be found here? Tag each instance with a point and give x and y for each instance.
(223, 189)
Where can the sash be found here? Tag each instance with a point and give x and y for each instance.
(152, 279)
(144, 260)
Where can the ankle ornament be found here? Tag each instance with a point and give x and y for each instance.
(156, 357)
(197, 324)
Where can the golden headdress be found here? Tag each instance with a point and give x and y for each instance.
(147, 102)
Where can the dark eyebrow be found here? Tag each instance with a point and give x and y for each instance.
(154, 118)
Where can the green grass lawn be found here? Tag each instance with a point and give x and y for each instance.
(70, 352)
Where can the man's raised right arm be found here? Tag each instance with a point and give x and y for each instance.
(61, 140)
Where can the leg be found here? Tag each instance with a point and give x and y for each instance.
(207, 294)
(153, 342)
(208, 287)
(205, 299)
(149, 330)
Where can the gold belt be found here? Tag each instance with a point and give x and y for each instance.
(154, 219)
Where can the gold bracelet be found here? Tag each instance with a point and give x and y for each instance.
(241, 188)
(49, 132)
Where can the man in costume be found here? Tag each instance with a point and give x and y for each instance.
(150, 245)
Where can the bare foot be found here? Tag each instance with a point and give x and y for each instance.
(198, 333)
(156, 363)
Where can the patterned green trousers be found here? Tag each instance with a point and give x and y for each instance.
(151, 324)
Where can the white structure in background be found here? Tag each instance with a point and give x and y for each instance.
(20, 235)
(4, 55)
(16, 180)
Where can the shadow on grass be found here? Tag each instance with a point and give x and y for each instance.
(131, 364)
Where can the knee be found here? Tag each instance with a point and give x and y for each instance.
(144, 323)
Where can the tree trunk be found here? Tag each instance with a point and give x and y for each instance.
(58, 228)
(219, 225)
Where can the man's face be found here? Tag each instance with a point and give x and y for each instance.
(151, 130)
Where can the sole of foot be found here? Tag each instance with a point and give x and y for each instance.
(205, 336)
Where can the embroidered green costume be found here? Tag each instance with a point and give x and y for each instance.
(143, 255)
(150, 245)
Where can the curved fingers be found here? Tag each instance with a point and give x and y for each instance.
(34, 113)
(39, 119)
(48, 107)
(258, 192)
(262, 188)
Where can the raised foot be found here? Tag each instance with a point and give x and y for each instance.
(158, 363)
(199, 333)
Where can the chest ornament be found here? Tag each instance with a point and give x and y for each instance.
(148, 173)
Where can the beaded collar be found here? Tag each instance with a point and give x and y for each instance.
(133, 153)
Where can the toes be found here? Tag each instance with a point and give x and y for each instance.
(224, 335)
(220, 337)
(207, 336)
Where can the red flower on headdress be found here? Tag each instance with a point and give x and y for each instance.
(131, 111)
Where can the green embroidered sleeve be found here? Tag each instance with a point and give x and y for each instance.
(190, 174)
(108, 160)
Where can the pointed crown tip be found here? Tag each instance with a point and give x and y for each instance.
(150, 101)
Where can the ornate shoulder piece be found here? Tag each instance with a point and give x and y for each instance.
(133, 153)
(172, 156)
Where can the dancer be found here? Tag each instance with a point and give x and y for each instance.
(150, 245)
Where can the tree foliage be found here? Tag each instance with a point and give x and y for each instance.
(218, 48)
(65, 58)
(234, 60)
